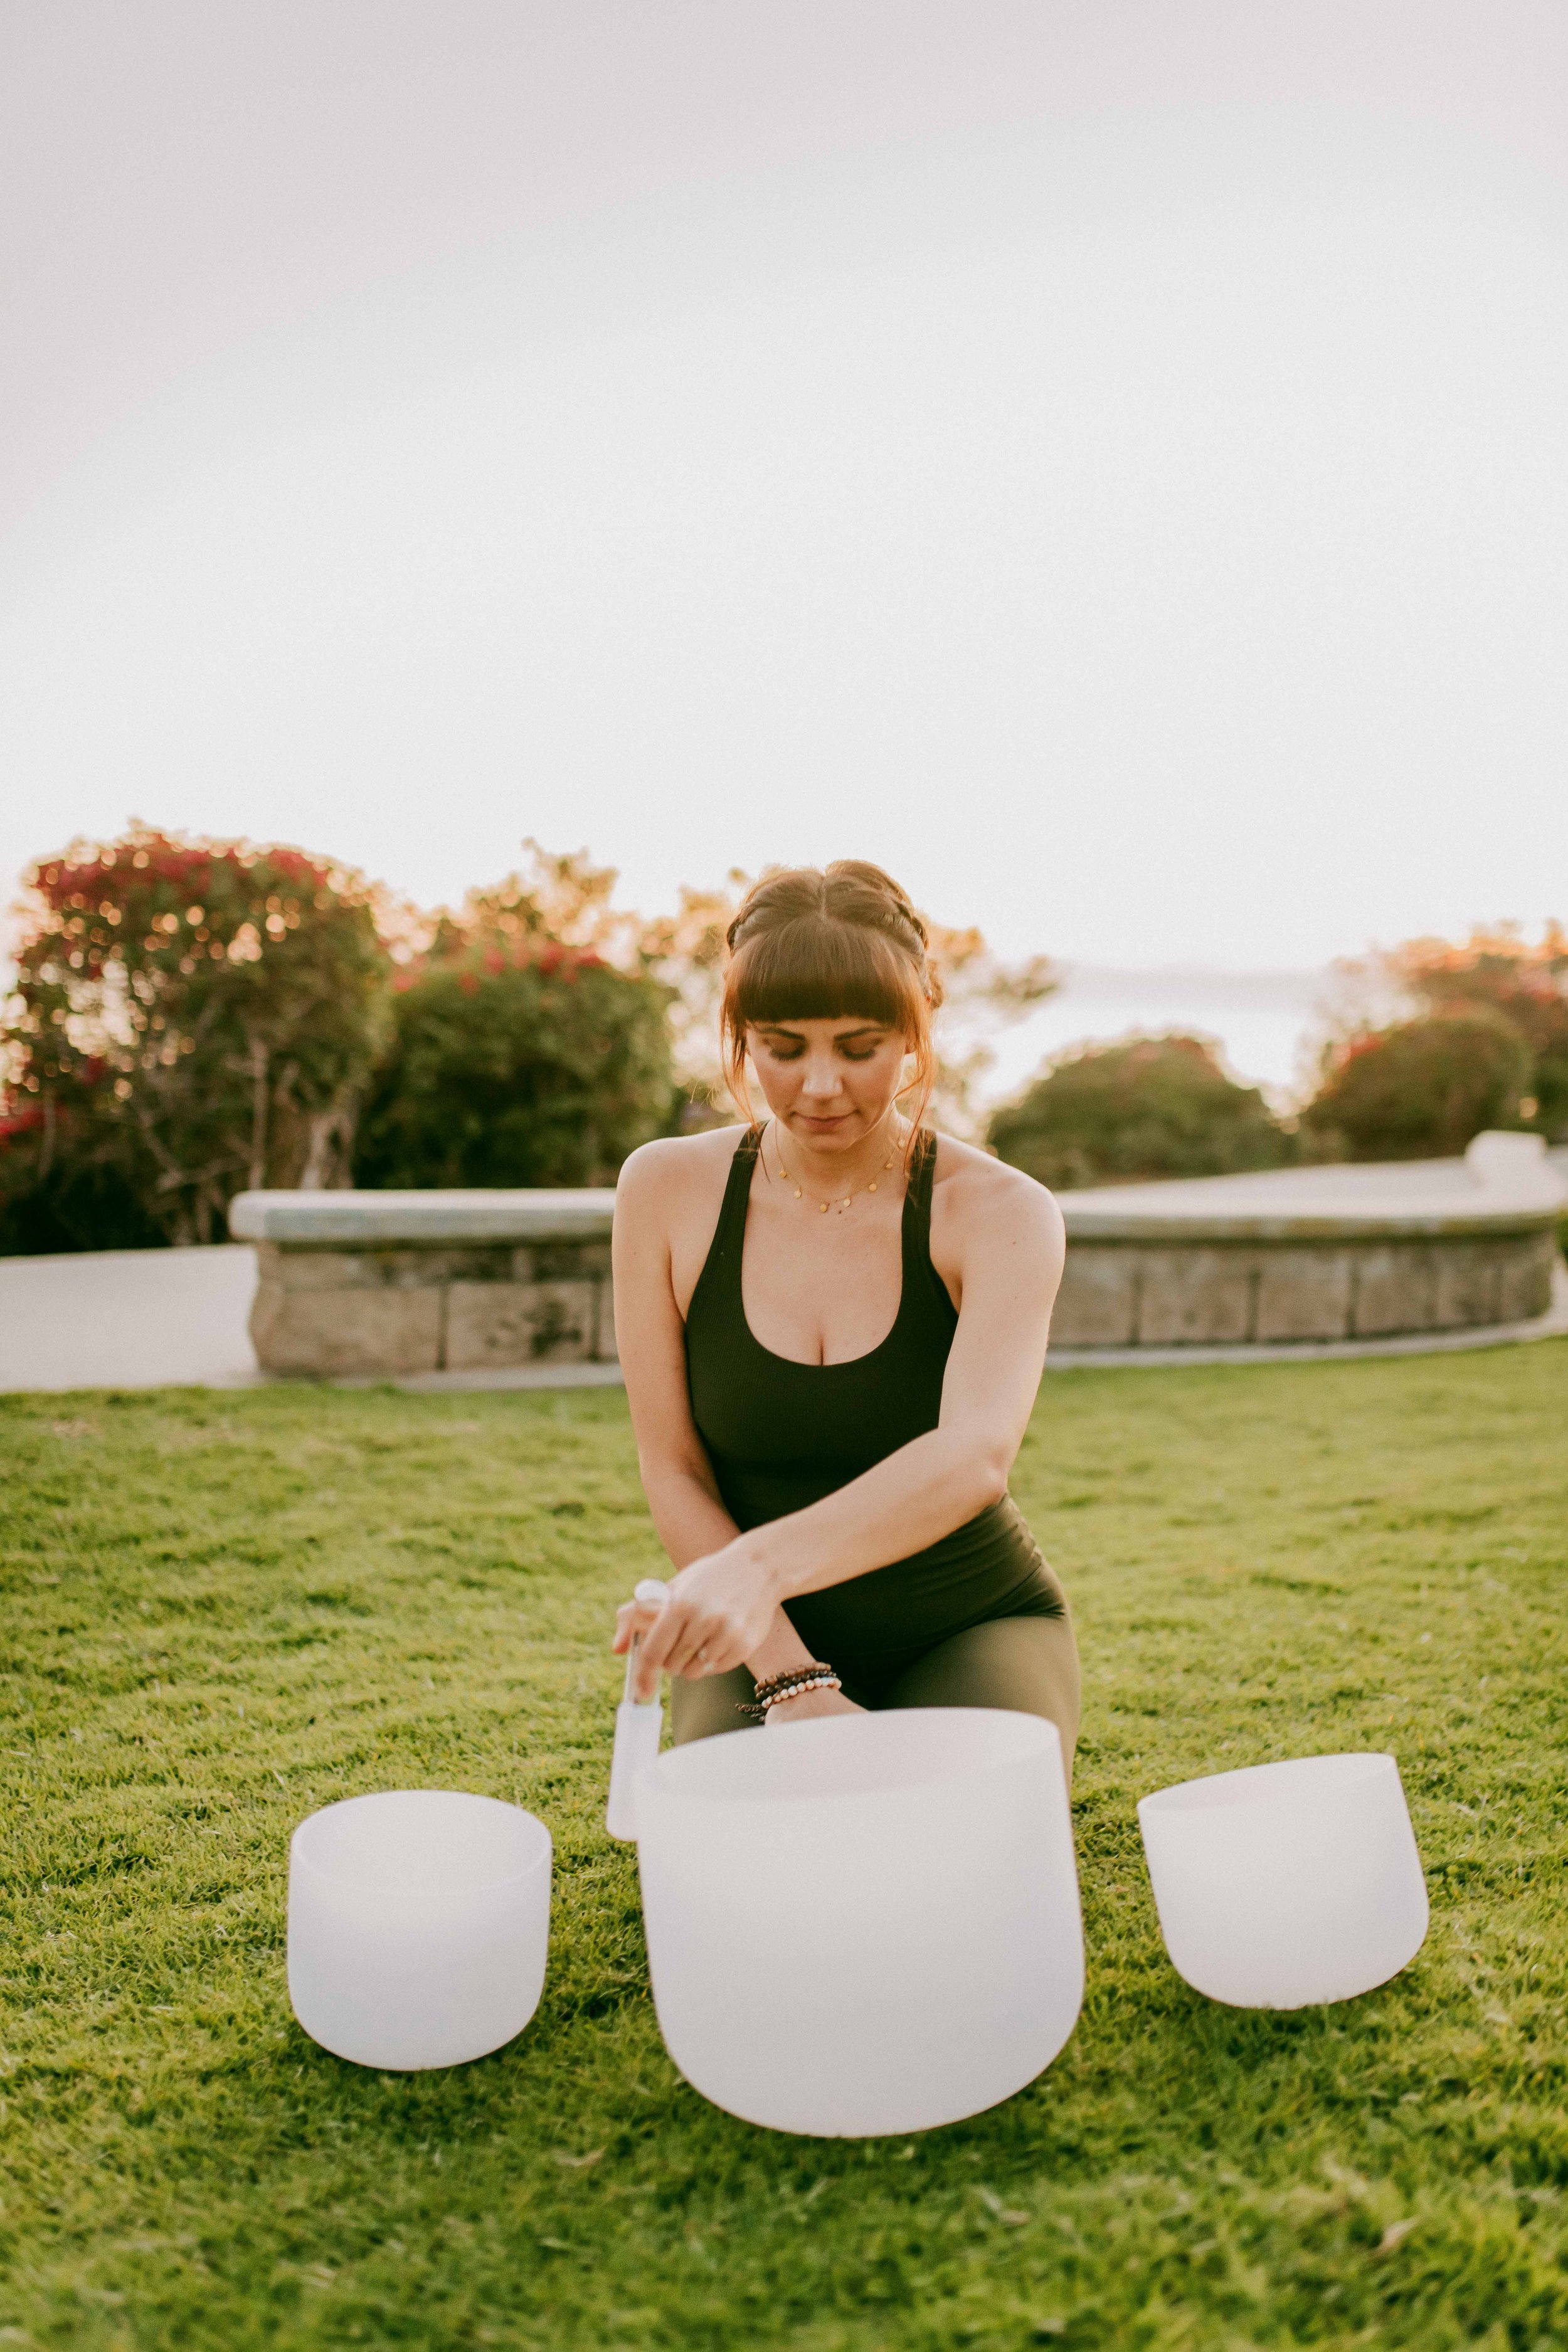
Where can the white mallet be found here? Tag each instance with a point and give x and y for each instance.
(638, 1727)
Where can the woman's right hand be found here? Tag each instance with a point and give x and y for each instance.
(810, 1703)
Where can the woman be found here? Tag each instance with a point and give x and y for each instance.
(832, 1326)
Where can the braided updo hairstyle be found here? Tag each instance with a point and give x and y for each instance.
(810, 946)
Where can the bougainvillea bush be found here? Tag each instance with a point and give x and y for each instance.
(190, 1017)
(1421, 1089)
(1149, 1107)
(521, 1053)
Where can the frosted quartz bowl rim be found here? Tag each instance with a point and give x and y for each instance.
(523, 1827)
(1012, 1737)
(1289, 1780)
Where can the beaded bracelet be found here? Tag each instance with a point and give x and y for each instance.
(816, 1675)
(775, 1685)
(795, 1690)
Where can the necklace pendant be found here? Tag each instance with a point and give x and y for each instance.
(823, 1206)
(872, 1185)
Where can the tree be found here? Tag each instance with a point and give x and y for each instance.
(1525, 981)
(517, 1058)
(190, 1017)
(1422, 1089)
(1146, 1106)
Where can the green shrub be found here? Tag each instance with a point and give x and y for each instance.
(1149, 1107)
(189, 1017)
(1421, 1089)
(1524, 981)
(526, 1062)
(57, 1191)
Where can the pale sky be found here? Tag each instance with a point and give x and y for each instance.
(1104, 461)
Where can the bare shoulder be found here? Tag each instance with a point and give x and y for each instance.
(674, 1169)
(977, 1197)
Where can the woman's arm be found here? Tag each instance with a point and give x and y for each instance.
(677, 1478)
(1008, 1249)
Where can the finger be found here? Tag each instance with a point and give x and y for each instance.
(690, 1636)
(711, 1648)
(645, 1680)
(645, 1622)
(700, 1644)
(642, 1685)
(684, 1661)
(658, 1638)
(711, 1654)
(634, 1619)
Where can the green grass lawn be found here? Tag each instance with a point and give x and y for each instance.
(225, 1610)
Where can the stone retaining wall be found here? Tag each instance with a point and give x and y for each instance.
(1139, 1294)
(397, 1284)
(1314, 1254)
(356, 1284)
(337, 1312)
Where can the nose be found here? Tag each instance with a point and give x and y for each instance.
(821, 1079)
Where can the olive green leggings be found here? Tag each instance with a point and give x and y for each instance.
(1028, 1664)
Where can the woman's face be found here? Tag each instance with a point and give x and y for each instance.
(829, 1082)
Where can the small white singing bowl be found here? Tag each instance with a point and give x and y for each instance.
(418, 1925)
(1286, 1884)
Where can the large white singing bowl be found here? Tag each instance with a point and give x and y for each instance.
(1287, 1883)
(418, 1925)
(863, 1923)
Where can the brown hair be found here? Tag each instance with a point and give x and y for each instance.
(810, 946)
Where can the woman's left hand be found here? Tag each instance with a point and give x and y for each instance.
(720, 1610)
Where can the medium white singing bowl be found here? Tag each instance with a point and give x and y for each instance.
(1287, 1883)
(863, 1923)
(418, 1925)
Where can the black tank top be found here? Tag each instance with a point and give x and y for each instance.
(781, 1436)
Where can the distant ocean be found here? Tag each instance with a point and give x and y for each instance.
(1263, 1021)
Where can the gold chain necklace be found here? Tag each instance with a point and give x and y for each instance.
(802, 1194)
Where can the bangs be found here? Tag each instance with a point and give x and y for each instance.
(814, 968)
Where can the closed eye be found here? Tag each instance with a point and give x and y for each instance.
(859, 1045)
